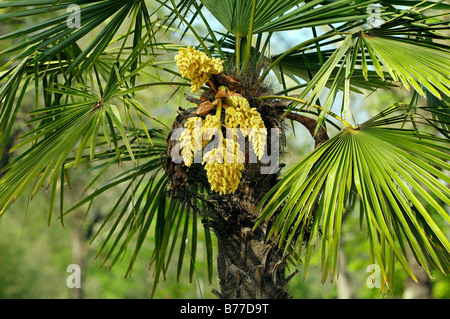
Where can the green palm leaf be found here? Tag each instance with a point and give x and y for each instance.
(411, 64)
(392, 172)
(44, 159)
(426, 69)
(54, 35)
(9, 106)
(302, 66)
(236, 15)
(272, 16)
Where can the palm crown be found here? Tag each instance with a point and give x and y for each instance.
(394, 166)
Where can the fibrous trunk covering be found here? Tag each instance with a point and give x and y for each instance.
(249, 267)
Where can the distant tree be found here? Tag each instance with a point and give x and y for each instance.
(88, 110)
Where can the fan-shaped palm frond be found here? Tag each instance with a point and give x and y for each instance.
(392, 173)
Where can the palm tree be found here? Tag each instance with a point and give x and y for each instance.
(88, 116)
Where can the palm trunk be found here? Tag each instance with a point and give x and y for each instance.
(249, 267)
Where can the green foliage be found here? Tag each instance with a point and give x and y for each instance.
(88, 116)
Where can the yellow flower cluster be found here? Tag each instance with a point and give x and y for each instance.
(197, 66)
(197, 130)
(224, 175)
(224, 164)
(211, 126)
(239, 114)
(187, 139)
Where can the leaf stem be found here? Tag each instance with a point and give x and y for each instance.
(219, 109)
(337, 117)
(238, 54)
(250, 32)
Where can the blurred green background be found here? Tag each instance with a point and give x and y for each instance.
(34, 256)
